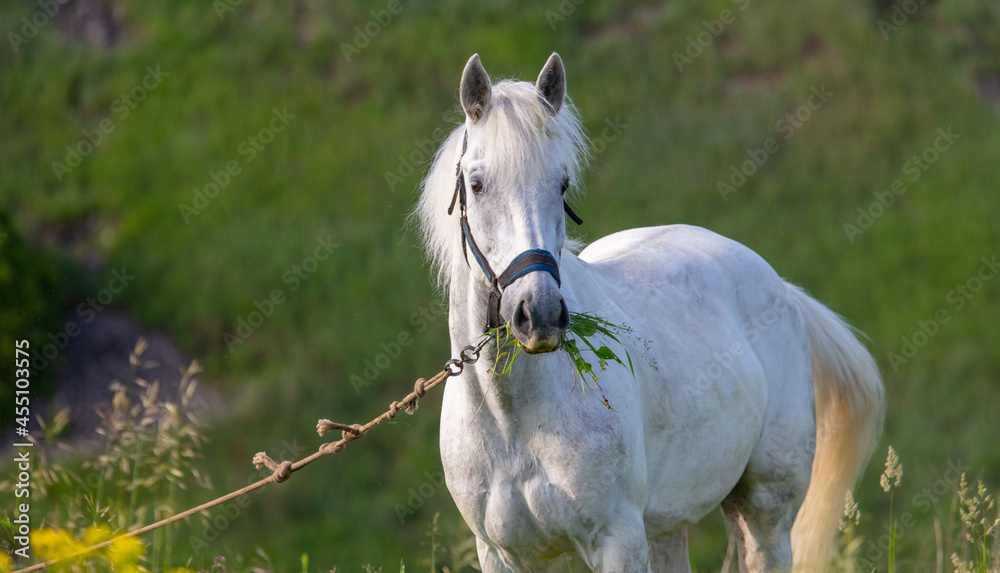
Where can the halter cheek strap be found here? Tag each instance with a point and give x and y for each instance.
(529, 261)
(576, 218)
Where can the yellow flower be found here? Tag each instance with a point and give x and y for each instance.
(54, 544)
(6, 563)
(96, 534)
(126, 550)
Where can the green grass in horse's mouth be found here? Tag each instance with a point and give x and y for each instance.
(576, 340)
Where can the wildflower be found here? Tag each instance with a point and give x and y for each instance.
(6, 563)
(126, 551)
(893, 473)
(852, 515)
(55, 544)
(96, 534)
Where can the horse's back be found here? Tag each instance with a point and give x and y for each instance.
(689, 269)
(660, 248)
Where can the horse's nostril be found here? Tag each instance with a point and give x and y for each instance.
(563, 323)
(522, 322)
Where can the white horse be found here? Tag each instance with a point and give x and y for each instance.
(746, 392)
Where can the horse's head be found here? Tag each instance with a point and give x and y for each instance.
(520, 153)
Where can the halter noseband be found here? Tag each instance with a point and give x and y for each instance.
(527, 262)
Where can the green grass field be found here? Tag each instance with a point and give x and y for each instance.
(315, 132)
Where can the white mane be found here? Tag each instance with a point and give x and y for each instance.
(520, 138)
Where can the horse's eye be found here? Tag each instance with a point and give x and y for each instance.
(565, 185)
(476, 184)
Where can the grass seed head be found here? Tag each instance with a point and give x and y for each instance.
(893, 474)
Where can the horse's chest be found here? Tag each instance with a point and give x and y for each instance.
(514, 503)
(535, 495)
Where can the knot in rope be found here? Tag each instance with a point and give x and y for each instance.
(394, 409)
(353, 432)
(323, 426)
(282, 471)
(333, 447)
(350, 431)
(419, 389)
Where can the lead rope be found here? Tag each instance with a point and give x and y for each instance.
(282, 471)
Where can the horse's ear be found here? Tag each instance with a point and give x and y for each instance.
(551, 84)
(475, 90)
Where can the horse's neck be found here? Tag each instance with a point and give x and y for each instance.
(467, 298)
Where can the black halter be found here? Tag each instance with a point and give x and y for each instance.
(527, 262)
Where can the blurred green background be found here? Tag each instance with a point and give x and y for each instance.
(356, 95)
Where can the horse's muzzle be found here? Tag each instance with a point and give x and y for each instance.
(536, 312)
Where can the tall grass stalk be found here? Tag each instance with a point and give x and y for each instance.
(890, 480)
(977, 527)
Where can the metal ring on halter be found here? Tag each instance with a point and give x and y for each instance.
(454, 367)
(469, 354)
